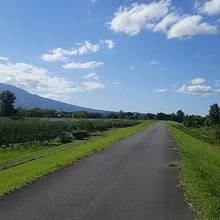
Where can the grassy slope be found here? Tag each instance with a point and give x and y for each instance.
(25, 157)
(200, 173)
(11, 158)
(20, 175)
(206, 134)
(6, 154)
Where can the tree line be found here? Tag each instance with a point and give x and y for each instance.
(212, 119)
(7, 109)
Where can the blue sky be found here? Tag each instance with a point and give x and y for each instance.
(145, 56)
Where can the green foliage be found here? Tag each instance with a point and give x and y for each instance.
(29, 130)
(207, 122)
(66, 137)
(84, 114)
(193, 120)
(214, 114)
(180, 116)
(200, 169)
(208, 134)
(161, 116)
(80, 135)
(7, 100)
(50, 113)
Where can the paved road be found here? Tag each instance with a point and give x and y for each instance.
(128, 181)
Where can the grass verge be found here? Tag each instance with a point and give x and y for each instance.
(14, 161)
(200, 174)
(16, 177)
(41, 151)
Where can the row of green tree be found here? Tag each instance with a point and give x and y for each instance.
(7, 109)
(30, 130)
(212, 119)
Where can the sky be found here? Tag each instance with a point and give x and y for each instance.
(141, 56)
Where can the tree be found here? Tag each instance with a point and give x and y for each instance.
(193, 120)
(180, 116)
(7, 100)
(80, 114)
(121, 114)
(161, 116)
(214, 114)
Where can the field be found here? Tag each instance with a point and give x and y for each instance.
(23, 162)
(200, 169)
(32, 131)
(32, 138)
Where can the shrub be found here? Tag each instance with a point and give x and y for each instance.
(66, 138)
(80, 135)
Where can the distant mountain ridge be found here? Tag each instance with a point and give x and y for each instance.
(27, 100)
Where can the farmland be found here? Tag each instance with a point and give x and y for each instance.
(18, 158)
(27, 131)
(20, 137)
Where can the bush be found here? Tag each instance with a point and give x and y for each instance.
(87, 125)
(207, 122)
(66, 138)
(80, 135)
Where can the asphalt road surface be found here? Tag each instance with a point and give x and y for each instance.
(127, 181)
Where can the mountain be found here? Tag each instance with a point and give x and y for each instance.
(27, 100)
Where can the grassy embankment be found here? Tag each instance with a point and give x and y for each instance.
(17, 176)
(210, 135)
(200, 173)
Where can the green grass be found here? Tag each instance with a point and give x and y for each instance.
(22, 150)
(6, 154)
(15, 156)
(200, 173)
(21, 157)
(16, 177)
(207, 134)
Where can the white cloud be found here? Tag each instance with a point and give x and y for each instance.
(92, 76)
(36, 80)
(87, 47)
(167, 22)
(197, 81)
(196, 90)
(60, 54)
(160, 16)
(211, 7)
(93, 85)
(116, 83)
(189, 26)
(86, 65)
(3, 59)
(40, 81)
(131, 20)
(159, 90)
(153, 62)
(109, 43)
(197, 86)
